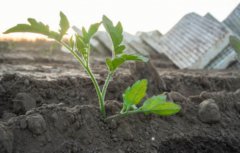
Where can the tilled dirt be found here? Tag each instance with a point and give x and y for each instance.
(49, 105)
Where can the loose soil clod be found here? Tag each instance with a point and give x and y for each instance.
(209, 111)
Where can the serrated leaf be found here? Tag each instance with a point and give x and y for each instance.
(87, 35)
(158, 105)
(93, 29)
(84, 35)
(235, 43)
(115, 33)
(34, 27)
(54, 35)
(120, 59)
(120, 49)
(64, 24)
(134, 94)
(20, 28)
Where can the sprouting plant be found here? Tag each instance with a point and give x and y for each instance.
(235, 43)
(155, 105)
(80, 47)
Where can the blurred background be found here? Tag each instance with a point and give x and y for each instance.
(136, 15)
(182, 34)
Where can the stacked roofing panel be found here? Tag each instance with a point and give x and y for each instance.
(233, 20)
(194, 41)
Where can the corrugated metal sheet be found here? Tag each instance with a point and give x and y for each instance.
(226, 56)
(222, 60)
(137, 43)
(194, 41)
(151, 39)
(233, 20)
(211, 17)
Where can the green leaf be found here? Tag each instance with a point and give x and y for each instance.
(235, 43)
(64, 24)
(81, 46)
(87, 35)
(119, 49)
(71, 42)
(93, 29)
(40, 28)
(113, 64)
(152, 102)
(158, 105)
(115, 33)
(34, 27)
(133, 95)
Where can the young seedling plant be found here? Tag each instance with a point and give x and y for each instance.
(79, 46)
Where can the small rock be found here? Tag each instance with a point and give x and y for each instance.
(23, 102)
(26, 82)
(36, 124)
(6, 139)
(208, 111)
(176, 96)
(54, 116)
(112, 106)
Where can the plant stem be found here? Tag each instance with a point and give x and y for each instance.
(105, 86)
(100, 97)
(73, 53)
(123, 114)
(93, 79)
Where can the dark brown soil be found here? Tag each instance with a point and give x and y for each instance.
(49, 105)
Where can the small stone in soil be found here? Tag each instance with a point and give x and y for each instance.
(153, 138)
(23, 102)
(208, 111)
(36, 124)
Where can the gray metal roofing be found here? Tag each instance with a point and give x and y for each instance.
(194, 41)
(233, 20)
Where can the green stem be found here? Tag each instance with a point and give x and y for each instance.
(123, 114)
(73, 53)
(123, 109)
(98, 90)
(105, 86)
(93, 79)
